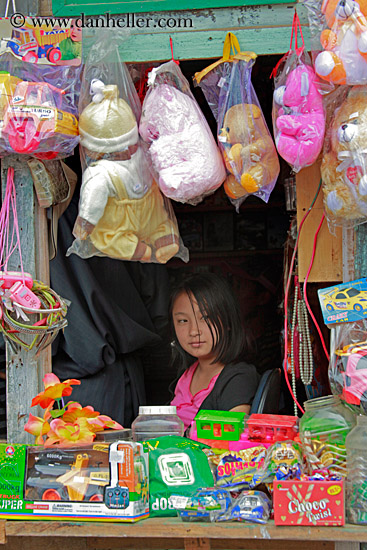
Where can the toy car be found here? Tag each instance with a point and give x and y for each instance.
(350, 298)
(206, 505)
(58, 475)
(252, 506)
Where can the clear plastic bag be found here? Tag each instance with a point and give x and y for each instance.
(243, 136)
(298, 113)
(344, 166)
(182, 148)
(122, 213)
(339, 39)
(348, 365)
(39, 88)
(252, 506)
(207, 504)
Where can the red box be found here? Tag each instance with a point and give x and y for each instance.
(308, 502)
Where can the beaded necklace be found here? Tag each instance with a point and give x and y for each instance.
(300, 329)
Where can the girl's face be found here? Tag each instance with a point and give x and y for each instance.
(192, 330)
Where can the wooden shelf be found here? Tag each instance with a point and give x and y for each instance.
(173, 533)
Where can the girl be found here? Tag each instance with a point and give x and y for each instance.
(206, 321)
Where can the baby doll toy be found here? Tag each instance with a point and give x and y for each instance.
(122, 213)
(343, 168)
(249, 151)
(344, 42)
(299, 118)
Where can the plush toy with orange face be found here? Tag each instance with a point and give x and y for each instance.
(344, 41)
(249, 151)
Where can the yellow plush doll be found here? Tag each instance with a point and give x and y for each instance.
(122, 213)
(249, 151)
(344, 163)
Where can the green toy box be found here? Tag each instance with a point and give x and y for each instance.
(98, 482)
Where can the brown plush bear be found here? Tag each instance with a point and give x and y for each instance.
(249, 151)
(343, 168)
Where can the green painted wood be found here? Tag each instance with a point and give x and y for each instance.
(96, 7)
(200, 34)
(360, 255)
(22, 368)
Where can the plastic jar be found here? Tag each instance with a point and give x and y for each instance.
(156, 421)
(323, 430)
(356, 494)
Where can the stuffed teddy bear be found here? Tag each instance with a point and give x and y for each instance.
(249, 151)
(344, 168)
(300, 120)
(182, 148)
(121, 210)
(344, 59)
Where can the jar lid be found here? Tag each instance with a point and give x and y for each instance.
(158, 409)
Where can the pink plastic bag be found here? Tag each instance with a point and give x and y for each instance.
(298, 112)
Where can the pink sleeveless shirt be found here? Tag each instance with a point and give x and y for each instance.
(187, 404)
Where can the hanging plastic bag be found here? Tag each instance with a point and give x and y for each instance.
(298, 112)
(243, 136)
(348, 365)
(39, 88)
(339, 38)
(31, 313)
(182, 148)
(344, 166)
(122, 213)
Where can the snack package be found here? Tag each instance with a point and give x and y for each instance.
(243, 136)
(348, 365)
(283, 460)
(339, 39)
(344, 167)
(182, 148)
(236, 470)
(252, 506)
(39, 88)
(208, 504)
(122, 213)
(298, 112)
(177, 466)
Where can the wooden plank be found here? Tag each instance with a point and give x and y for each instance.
(199, 34)
(328, 261)
(197, 544)
(360, 258)
(2, 532)
(347, 546)
(22, 367)
(167, 528)
(95, 7)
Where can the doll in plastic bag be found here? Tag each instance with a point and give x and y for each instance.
(344, 167)
(342, 36)
(298, 113)
(348, 365)
(243, 136)
(122, 213)
(182, 148)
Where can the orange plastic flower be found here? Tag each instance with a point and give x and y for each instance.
(38, 426)
(54, 389)
(75, 410)
(67, 435)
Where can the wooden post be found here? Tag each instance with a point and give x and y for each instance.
(24, 371)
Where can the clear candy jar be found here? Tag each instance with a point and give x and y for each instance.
(323, 430)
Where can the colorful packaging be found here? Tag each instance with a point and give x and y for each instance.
(178, 466)
(236, 470)
(99, 482)
(311, 503)
(344, 303)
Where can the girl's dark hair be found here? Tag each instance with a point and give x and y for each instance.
(217, 302)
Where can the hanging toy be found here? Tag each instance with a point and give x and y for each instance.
(344, 167)
(31, 313)
(122, 213)
(298, 112)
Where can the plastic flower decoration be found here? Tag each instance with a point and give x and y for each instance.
(65, 425)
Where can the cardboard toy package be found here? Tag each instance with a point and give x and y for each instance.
(308, 502)
(98, 482)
